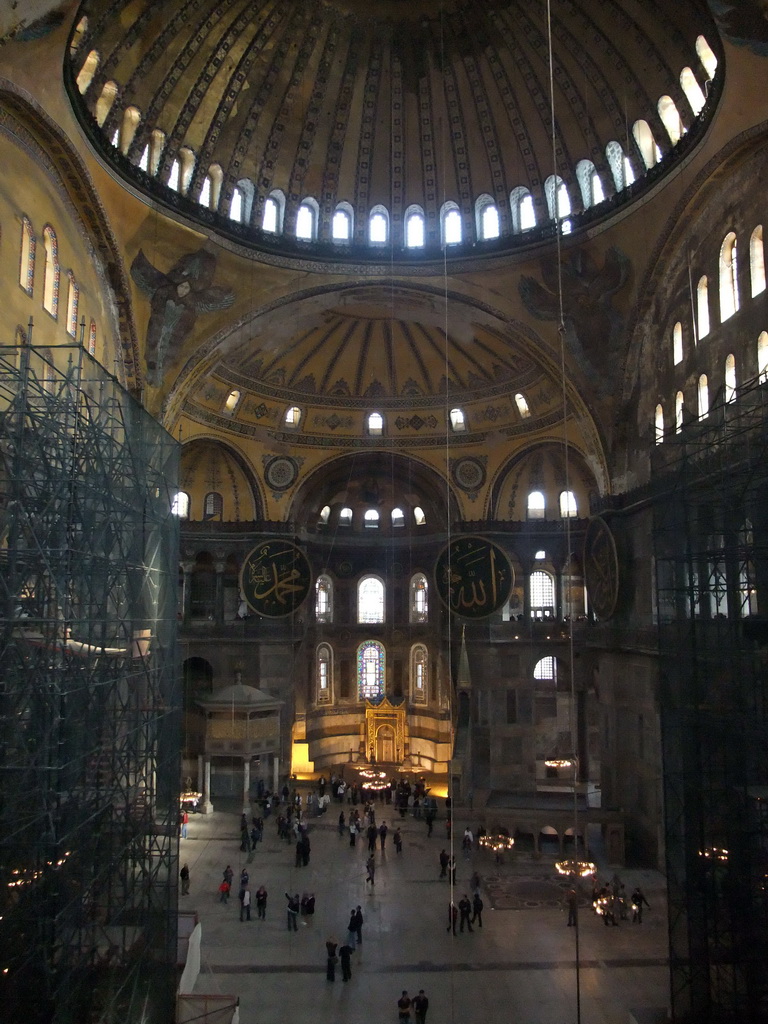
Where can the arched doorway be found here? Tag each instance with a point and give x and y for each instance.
(385, 744)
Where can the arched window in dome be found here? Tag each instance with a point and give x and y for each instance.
(342, 223)
(537, 505)
(545, 670)
(415, 227)
(568, 509)
(370, 670)
(375, 424)
(232, 402)
(345, 517)
(679, 410)
(144, 159)
(292, 417)
(210, 193)
(77, 36)
(398, 518)
(542, 591)
(237, 205)
(105, 101)
(522, 406)
(213, 506)
(558, 201)
(371, 519)
(450, 224)
(702, 308)
(703, 393)
(458, 421)
(620, 165)
(692, 90)
(52, 274)
(182, 169)
(757, 261)
(419, 604)
(73, 301)
(522, 209)
(677, 343)
(324, 673)
(419, 681)
(130, 124)
(659, 424)
(87, 71)
(175, 175)
(307, 217)
(180, 505)
(728, 274)
(378, 225)
(670, 118)
(324, 599)
(706, 56)
(27, 260)
(762, 357)
(153, 151)
(730, 378)
(590, 186)
(325, 515)
(646, 143)
(370, 600)
(273, 212)
(487, 218)
(418, 515)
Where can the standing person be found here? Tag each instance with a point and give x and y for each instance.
(351, 930)
(453, 916)
(261, 903)
(477, 910)
(359, 924)
(572, 900)
(420, 1006)
(345, 954)
(371, 837)
(404, 1008)
(397, 838)
(331, 959)
(464, 908)
(184, 876)
(444, 862)
(244, 878)
(229, 874)
(370, 867)
(383, 834)
(638, 899)
(184, 823)
(224, 891)
(342, 823)
(293, 911)
(245, 904)
(352, 831)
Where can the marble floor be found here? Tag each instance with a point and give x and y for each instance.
(520, 967)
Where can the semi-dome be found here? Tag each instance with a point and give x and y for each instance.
(392, 129)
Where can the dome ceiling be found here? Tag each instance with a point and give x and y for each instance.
(387, 102)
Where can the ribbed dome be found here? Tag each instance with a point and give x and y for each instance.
(402, 106)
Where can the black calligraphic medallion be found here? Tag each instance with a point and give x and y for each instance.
(275, 578)
(474, 577)
(601, 568)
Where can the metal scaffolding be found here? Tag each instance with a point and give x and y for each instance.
(89, 708)
(711, 549)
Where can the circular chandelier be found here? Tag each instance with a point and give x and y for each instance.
(579, 868)
(497, 842)
(564, 762)
(372, 779)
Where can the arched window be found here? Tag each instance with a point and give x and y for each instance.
(757, 261)
(522, 209)
(670, 118)
(419, 681)
(542, 588)
(236, 205)
(375, 424)
(87, 71)
(546, 670)
(659, 424)
(537, 505)
(342, 223)
(370, 670)
(27, 256)
(273, 212)
(679, 409)
(450, 224)
(105, 101)
(621, 168)
(590, 185)
(677, 343)
(378, 226)
(414, 228)
(52, 274)
(175, 176)
(487, 218)
(692, 90)
(345, 517)
(702, 308)
(325, 515)
(522, 406)
(324, 599)
(568, 508)
(156, 147)
(180, 505)
(558, 201)
(232, 402)
(706, 56)
(131, 119)
(370, 600)
(418, 515)
(747, 581)
(646, 143)
(186, 169)
(371, 519)
(703, 392)
(419, 606)
(398, 518)
(458, 421)
(211, 190)
(324, 673)
(292, 417)
(730, 378)
(213, 506)
(729, 284)
(144, 159)
(762, 357)
(306, 219)
(73, 301)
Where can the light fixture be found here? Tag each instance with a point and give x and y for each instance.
(496, 841)
(563, 762)
(575, 867)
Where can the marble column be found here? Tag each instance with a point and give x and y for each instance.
(275, 772)
(246, 785)
(207, 805)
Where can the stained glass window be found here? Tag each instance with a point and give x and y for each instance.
(370, 670)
